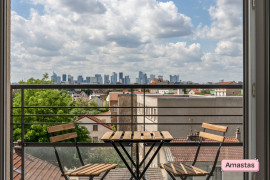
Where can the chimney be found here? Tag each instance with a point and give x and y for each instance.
(193, 136)
(237, 134)
(18, 147)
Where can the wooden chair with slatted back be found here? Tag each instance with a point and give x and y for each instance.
(90, 170)
(178, 169)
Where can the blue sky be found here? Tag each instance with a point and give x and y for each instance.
(200, 40)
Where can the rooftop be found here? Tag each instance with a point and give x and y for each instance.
(35, 168)
(207, 153)
(95, 119)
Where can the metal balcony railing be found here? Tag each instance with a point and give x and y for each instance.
(143, 115)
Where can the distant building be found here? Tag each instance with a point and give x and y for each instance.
(194, 92)
(70, 79)
(64, 77)
(121, 78)
(87, 79)
(54, 77)
(97, 130)
(106, 79)
(113, 103)
(98, 100)
(99, 78)
(160, 77)
(93, 80)
(58, 81)
(227, 92)
(155, 101)
(144, 79)
(114, 78)
(127, 80)
(80, 79)
(174, 78)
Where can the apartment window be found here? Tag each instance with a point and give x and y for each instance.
(95, 127)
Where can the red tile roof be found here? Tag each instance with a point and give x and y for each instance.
(183, 140)
(196, 91)
(97, 120)
(226, 82)
(207, 153)
(35, 168)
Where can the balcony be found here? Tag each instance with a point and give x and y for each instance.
(132, 107)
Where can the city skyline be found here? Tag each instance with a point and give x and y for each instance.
(114, 78)
(199, 40)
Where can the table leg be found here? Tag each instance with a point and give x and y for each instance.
(137, 160)
(135, 165)
(124, 149)
(148, 152)
(123, 159)
(152, 158)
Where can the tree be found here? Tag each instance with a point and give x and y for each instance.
(48, 98)
(205, 91)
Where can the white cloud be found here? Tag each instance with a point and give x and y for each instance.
(101, 36)
(227, 30)
(94, 36)
(227, 21)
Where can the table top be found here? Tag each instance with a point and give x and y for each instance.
(137, 136)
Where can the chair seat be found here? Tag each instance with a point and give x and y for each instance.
(180, 169)
(91, 170)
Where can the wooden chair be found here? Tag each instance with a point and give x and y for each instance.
(178, 169)
(85, 170)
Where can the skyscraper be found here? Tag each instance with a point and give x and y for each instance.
(174, 78)
(127, 80)
(87, 79)
(106, 79)
(54, 77)
(121, 78)
(140, 79)
(58, 80)
(144, 78)
(80, 79)
(114, 78)
(99, 78)
(64, 77)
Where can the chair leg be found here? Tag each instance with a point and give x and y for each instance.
(91, 178)
(184, 178)
(208, 177)
(66, 178)
(105, 174)
(171, 175)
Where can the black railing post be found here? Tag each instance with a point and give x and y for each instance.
(22, 132)
(132, 129)
(144, 122)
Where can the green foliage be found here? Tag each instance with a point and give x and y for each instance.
(113, 128)
(170, 93)
(205, 91)
(239, 94)
(185, 91)
(42, 97)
